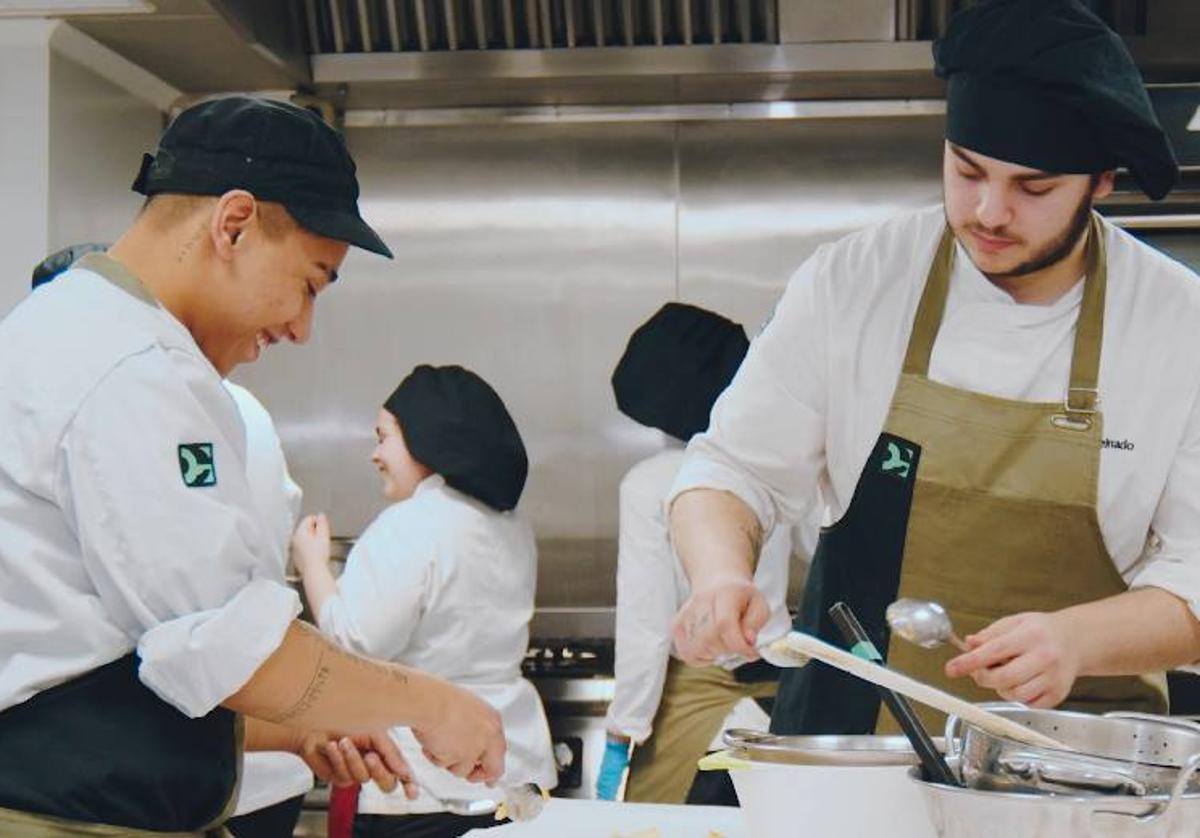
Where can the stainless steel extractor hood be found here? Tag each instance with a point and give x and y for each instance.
(424, 54)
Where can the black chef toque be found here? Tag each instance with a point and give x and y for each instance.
(455, 424)
(675, 366)
(276, 151)
(1046, 84)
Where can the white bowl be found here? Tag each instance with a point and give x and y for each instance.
(830, 801)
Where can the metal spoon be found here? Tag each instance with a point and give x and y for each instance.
(924, 623)
(522, 802)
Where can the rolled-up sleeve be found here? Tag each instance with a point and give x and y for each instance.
(1172, 560)
(180, 661)
(185, 571)
(766, 437)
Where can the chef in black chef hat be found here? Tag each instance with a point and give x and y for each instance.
(675, 366)
(455, 424)
(1047, 85)
(441, 581)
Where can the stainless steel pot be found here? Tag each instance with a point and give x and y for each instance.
(1119, 753)
(979, 813)
(756, 746)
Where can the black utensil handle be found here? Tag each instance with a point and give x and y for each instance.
(931, 759)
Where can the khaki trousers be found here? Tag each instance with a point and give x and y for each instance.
(695, 701)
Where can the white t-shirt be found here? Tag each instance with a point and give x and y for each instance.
(445, 584)
(811, 398)
(115, 534)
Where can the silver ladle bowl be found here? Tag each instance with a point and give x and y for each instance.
(923, 622)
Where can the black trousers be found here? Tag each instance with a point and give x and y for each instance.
(278, 821)
(433, 825)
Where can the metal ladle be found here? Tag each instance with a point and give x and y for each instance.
(924, 623)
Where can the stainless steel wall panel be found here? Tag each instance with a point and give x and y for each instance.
(530, 252)
(756, 199)
(527, 253)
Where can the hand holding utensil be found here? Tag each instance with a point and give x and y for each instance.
(796, 648)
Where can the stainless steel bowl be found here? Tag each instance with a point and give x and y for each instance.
(981, 813)
(1120, 753)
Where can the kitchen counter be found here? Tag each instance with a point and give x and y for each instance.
(604, 819)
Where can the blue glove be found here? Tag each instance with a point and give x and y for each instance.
(612, 769)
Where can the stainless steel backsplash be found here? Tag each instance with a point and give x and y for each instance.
(529, 253)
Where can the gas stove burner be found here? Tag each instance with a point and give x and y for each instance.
(574, 657)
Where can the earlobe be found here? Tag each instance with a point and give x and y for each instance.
(1104, 186)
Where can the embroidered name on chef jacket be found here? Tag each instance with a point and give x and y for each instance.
(196, 464)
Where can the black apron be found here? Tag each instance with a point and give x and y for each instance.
(103, 751)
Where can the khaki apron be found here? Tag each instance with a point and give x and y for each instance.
(102, 755)
(986, 505)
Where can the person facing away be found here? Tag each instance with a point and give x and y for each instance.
(137, 576)
(673, 368)
(273, 783)
(442, 580)
(961, 383)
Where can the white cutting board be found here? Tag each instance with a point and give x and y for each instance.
(565, 817)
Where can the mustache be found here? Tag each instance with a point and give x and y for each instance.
(992, 232)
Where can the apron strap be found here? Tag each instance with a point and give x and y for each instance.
(1083, 396)
(1081, 400)
(932, 305)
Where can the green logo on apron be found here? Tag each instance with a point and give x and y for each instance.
(196, 464)
(898, 461)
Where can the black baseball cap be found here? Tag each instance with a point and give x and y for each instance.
(274, 150)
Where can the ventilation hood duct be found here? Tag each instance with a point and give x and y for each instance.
(428, 54)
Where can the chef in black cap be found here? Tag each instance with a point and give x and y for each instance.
(674, 368)
(273, 783)
(145, 634)
(997, 398)
(441, 581)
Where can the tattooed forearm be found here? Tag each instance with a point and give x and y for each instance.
(752, 532)
(392, 671)
(311, 695)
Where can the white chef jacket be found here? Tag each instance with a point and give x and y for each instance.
(444, 584)
(269, 777)
(810, 400)
(651, 587)
(103, 548)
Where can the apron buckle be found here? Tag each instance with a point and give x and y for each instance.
(1077, 417)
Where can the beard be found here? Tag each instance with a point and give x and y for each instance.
(1053, 252)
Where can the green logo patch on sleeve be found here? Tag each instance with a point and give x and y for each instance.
(197, 465)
